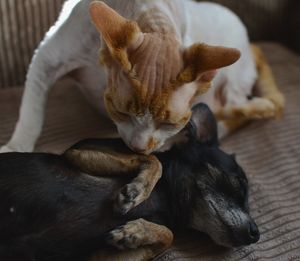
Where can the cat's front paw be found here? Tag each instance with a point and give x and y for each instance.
(5, 149)
(14, 148)
(130, 196)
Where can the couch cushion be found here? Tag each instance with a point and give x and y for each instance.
(268, 150)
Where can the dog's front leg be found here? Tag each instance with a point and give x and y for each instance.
(70, 44)
(142, 233)
(96, 162)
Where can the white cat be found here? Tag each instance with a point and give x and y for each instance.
(150, 75)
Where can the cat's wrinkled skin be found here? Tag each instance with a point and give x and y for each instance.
(151, 77)
(154, 70)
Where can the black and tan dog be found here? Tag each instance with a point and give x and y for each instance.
(57, 207)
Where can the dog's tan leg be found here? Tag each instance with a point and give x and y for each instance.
(142, 233)
(96, 162)
(140, 188)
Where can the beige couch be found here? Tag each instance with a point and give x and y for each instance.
(268, 150)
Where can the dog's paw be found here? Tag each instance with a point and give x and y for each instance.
(130, 196)
(132, 235)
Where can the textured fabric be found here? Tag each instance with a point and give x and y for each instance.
(24, 22)
(269, 151)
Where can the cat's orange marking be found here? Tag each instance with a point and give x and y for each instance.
(147, 59)
(152, 143)
(266, 86)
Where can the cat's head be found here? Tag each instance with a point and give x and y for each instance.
(152, 78)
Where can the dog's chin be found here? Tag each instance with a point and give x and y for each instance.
(224, 241)
(227, 241)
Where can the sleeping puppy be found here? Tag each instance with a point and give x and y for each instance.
(51, 209)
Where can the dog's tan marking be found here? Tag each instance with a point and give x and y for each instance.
(100, 160)
(141, 187)
(139, 233)
(97, 162)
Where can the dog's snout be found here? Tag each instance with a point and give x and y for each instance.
(253, 232)
(247, 234)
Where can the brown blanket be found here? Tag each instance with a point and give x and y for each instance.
(269, 151)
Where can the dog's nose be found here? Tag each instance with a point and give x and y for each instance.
(253, 232)
(247, 234)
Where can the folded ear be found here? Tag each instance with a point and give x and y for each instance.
(204, 125)
(118, 33)
(205, 59)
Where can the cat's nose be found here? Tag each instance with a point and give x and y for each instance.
(137, 147)
(144, 145)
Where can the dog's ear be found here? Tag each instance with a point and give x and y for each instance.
(203, 125)
(202, 60)
(119, 34)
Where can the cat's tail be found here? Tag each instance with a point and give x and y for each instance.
(266, 86)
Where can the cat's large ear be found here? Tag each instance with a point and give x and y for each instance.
(203, 125)
(202, 60)
(118, 33)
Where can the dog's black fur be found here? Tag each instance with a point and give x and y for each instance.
(49, 210)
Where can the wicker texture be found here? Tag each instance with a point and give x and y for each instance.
(22, 26)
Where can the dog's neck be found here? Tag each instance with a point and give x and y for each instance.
(175, 188)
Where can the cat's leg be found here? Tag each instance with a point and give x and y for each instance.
(70, 44)
(100, 161)
(266, 87)
(141, 233)
(256, 108)
(266, 101)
